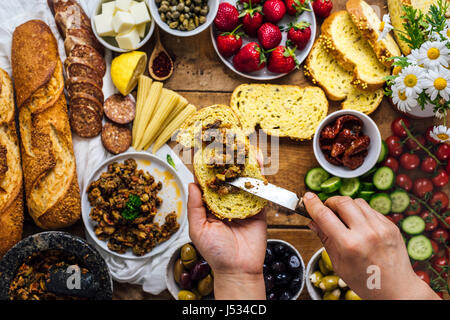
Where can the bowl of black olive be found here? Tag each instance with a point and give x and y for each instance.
(284, 271)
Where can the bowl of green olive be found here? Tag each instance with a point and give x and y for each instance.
(323, 283)
(183, 18)
(188, 275)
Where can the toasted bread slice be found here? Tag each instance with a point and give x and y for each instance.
(353, 52)
(237, 204)
(368, 23)
(280, 110)
(193, 127)
(323, 69)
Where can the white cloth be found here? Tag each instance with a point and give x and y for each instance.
(89, 153)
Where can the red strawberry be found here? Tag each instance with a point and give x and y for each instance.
(299, 33)
(322, 8)
(252, 19)
(282, 60)
(250, 58)
(269, 35)
(229, 43)
(274, 10)
(227, 18)
(295, 7)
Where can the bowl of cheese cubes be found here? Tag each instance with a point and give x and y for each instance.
(122, 25)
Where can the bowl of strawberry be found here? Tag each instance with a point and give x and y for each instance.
(263, 39)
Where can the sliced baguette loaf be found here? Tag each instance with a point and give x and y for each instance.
(353, 52)
(280, 110)
(323, 69)
(368, 23)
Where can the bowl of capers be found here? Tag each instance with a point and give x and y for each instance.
(183, 18)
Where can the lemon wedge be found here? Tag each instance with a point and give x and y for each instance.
(126, 70)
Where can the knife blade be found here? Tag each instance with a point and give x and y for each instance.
(271, 192)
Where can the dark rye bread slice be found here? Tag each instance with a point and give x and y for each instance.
(78, 68)
(84, 85)
(85, 99)
(85, 121)
(90, 55)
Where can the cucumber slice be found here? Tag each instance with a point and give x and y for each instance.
(325, 196)
(384, 178)
(315, 177)
(350, 187)
(381, 202)
(420, 248)
(331, 185)
(366, 195)
(413, 225)
(383, 152)
(400, 201)
(367, 186)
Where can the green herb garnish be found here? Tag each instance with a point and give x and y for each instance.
(132, 208)
(170, 161)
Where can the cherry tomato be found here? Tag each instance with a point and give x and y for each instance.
(440, 179)
(404, 181)
(419, 265)
(439, 235)
(397, 127)
(439, 201)
(429, 138)
(443, 152)
(430, 220)
(435, 247)
(413, 146)
(422, 186)
(397, 217)
(440, 263)
(446, 217)
(428, 164)
(394, 145)
(409, 161)
(392, 163)
(414, 208)
(423, 276)
(390, 218)
(447, 167)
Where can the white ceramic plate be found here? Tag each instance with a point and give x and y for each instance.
(173, 194)
(265, 74)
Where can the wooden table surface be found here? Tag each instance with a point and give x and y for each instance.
(204, 80)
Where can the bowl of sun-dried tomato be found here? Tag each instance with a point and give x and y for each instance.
(347, 143)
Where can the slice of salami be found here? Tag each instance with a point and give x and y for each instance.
(120, 109)
(85, 121)
(84, 85)
(116, 138)
(81, 69)
(90, 55)
(85, 99)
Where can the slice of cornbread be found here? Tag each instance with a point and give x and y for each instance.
(369, 24)
(280, 110)
(323, 69)
(352, 51)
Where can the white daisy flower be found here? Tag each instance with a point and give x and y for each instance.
(437, 82)
(440, 115)
(446, 31)
(434, 54)
(410, 80)
(385, 27)
(403, 101)
(413, 57)
(440, 133)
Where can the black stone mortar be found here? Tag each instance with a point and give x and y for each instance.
(55, 240)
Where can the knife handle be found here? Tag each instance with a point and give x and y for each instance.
(301, 210)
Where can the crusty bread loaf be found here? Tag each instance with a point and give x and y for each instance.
(323, 69)
(368, 23)
(280, 110)
(396, 12)
(352, 51)
(51, 185)
(11, 189)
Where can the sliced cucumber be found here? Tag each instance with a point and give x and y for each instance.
(325, 196)
(367, 186)
(384, 178)
(413, 225)
(420, 248)
(381, 202)
(350, 187)
(400, 201)
(366, 195)
(331, 185)
(315, 177)
(383, 152)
